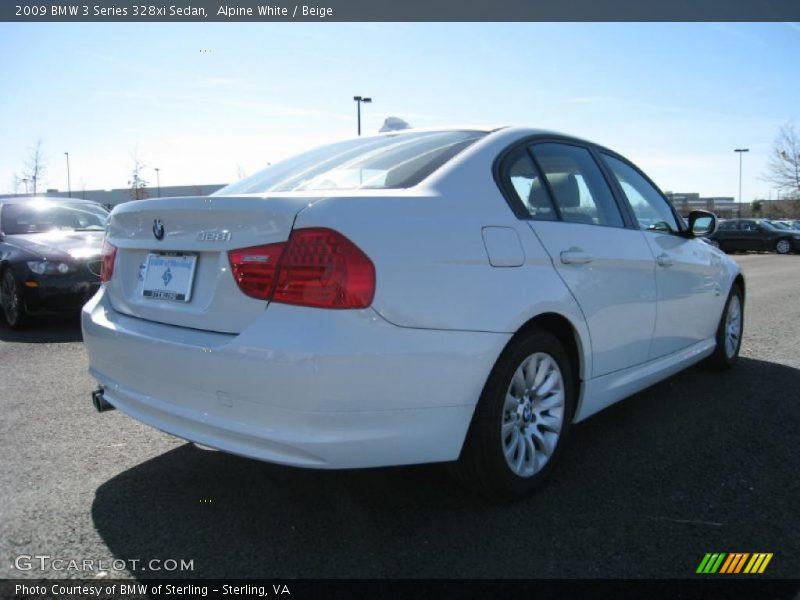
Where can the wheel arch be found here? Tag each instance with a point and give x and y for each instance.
(562, 328)
(739, 280)
(575, 346)
(568, 333)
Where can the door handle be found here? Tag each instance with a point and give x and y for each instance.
(576, 256)
(664, 260)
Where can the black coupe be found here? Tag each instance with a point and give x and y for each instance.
(49, 255)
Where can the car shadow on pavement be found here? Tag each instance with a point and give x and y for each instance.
(701, 462)
(44, 330)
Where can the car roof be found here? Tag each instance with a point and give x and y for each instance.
(514, 130)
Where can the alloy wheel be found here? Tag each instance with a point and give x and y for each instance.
(533, 414)
(733, 326)
(10, 298)
(783, 247)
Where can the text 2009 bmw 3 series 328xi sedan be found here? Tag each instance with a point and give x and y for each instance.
(422, 296)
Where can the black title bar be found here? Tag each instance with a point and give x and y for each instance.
(398, 10)
(406, 589)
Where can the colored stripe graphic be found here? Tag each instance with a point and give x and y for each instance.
(702, 567)
(741, 562)
(733, 563)
(758, 563)
(711, 562)
(728, 563)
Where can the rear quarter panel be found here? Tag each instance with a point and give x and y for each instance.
(432, 267)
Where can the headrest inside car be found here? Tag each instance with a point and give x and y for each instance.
(565, 189)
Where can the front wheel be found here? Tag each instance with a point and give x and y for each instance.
(521, 419)
(783, 246)
(729, 331)
(12, 301)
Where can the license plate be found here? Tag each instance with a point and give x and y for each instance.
(169, 277)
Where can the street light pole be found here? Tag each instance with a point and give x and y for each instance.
(69, 183)
(359, 100)
(158, 181)
(740, 151)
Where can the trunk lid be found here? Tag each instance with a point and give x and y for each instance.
(184, 278)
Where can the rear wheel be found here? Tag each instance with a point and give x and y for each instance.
(783, 246)
(521, 419)
(729, 331)
(12, 301)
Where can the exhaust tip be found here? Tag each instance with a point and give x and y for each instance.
(99, 402)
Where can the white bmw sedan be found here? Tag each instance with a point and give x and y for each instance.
(420, 296)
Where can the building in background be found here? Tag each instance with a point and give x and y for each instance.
(684, 203)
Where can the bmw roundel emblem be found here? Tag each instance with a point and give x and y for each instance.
(158, 229)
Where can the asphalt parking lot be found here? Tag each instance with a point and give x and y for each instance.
(704, 462)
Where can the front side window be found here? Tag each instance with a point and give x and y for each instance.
(579, 189)
(383, 162)
(652, 211)
(749, 226)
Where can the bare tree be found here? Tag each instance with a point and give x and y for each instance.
(16, 181)
(35, 167)
(137, 183)
(240, 172)
(783, 169)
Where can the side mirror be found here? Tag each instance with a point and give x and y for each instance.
(702, 223)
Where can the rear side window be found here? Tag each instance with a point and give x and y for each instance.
(526, 184)
(578, 187)
(384, 162)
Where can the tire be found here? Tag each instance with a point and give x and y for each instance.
(11, 300)
(729, 341)
(508, 411)
(783, 246)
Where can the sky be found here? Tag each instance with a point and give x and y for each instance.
(209, 102)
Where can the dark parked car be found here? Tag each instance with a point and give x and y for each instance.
(49, 255)
(739, 235)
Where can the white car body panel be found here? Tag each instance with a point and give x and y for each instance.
(457, 275)
(277, 393)
(616, 290)
(218, 304)
(602, 392)
(692, 283)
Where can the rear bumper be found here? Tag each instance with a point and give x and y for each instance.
(304, 387)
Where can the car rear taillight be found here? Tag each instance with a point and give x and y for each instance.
(254, 269)
(323, 268)
(107, 257)
(317, 267)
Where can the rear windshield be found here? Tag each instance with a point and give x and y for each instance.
(41, 216)
(386, 162)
